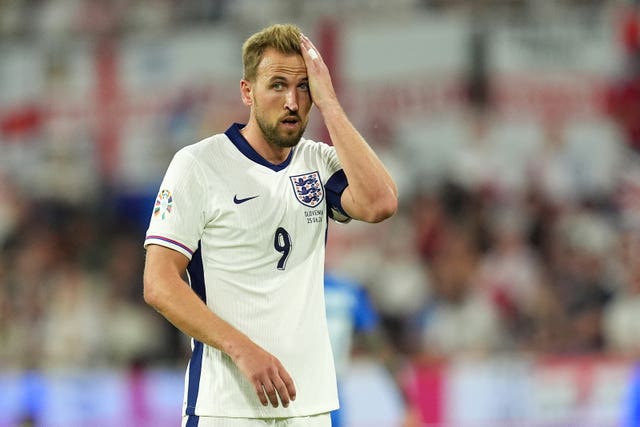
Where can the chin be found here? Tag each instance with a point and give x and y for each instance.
(291, 138)
(288, 142)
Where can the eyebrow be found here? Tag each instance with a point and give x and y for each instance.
(278, 77)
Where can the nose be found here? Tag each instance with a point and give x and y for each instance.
(291, 100)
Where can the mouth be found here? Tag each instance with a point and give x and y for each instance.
(290, 121)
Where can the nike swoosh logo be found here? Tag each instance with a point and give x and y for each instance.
(246, 199)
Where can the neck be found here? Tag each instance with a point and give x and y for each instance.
(270, 152)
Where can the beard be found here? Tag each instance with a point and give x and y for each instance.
(282, 139)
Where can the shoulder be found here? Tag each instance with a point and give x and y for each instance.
(309, 149)
(203, 146)
(201, 152)
(309, 144)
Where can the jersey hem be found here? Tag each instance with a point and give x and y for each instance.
(261, 414)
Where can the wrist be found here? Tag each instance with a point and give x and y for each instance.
(234, 344)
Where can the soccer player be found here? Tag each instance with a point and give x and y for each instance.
(242, 216)
(349, 312)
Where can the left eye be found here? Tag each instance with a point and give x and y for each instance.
(304, 86)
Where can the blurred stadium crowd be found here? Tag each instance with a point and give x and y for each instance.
(498, 247)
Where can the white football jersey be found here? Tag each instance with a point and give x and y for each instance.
(255, 236)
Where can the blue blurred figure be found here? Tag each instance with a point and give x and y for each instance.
(349, 313)
(632, 412)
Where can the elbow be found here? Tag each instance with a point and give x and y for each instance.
(383, 209)
(151, 293)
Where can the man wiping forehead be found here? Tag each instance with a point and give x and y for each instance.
(248, 219)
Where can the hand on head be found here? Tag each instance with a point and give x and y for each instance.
(322, 91)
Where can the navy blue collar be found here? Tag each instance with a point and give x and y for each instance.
(233, 133)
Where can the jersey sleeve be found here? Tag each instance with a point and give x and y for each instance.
(335, 185)
(177, 220)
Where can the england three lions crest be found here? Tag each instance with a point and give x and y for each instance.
(308, 188)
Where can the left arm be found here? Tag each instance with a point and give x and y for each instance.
(372, 195)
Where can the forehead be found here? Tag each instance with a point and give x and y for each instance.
(275, 63)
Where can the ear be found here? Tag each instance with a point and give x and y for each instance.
(245, 92)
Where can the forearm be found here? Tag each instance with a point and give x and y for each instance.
(371, 195)
(372, 190)
(175, 300)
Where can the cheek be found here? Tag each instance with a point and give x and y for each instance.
(269, 101)
(304, 102)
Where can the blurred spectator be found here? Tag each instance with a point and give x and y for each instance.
(131, 334)
(622, 315)
(623, 96)
(583, 276)
(351, 318)
(491, 160)
(551, 167)
(626, 198)
(401, 284)
(478, 167)
(357, 326)
(510, 272)
(459, 319)
(29, 262)
(360, 265)
(12, 208)
(428, 221)
(73, 322)
(70, 292)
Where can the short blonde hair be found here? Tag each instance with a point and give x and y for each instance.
(284, 38)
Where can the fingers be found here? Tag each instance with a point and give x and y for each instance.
(288, 383)
(284, 386)
(313, 54)
(321, 88)
(260, 392)
(274, 386)
(270, 391)
(308, 49)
